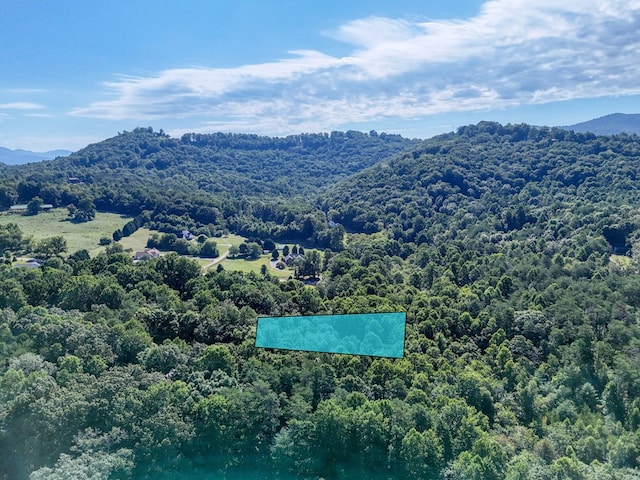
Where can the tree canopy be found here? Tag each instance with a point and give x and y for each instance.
(512, 249)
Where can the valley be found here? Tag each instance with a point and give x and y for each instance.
(512, 249)
(320, 240)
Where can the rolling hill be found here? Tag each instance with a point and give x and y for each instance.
(246, 183)
(231, 163)
(503, 181)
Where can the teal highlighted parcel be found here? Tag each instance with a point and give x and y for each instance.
(374, 334)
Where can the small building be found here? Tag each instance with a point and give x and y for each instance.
(148, 254)
(187, 235)
(23, 207)
(31, 263)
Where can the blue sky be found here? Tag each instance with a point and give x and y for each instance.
(75, 72)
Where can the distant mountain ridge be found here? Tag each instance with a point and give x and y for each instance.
(612, 124)
(19, 157)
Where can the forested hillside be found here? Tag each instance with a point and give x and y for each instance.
(494, 179)
(512, 249)
(247, 183)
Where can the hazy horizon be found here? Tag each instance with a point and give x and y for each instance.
(276, 69)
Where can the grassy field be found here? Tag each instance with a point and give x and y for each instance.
(246, 266)
(231, 239)
(78, 235)
(136, 242)
(242, 265)
(87, 235)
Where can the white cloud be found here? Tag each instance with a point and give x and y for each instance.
(514, 52)
(20, 106)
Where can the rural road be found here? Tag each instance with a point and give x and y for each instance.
(217, 260)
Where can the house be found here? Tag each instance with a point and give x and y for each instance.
(288, 260)
(23, 207)
(31, 263)
(187, 235)
(141, 256)
(148, 254)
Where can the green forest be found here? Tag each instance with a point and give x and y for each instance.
(514, 251)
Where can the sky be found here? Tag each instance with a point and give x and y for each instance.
(74, 72)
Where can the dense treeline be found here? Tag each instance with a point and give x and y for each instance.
(520, 354)
(148, 367)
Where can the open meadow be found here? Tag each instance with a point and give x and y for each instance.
(137, 241)
(78, 235)
(246, 266)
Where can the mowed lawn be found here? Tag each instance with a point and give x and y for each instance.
(78, 235)
(224, 243)
(242, 265)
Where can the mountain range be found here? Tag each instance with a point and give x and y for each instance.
(285, 188)
(612, 124)
(19, 157)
